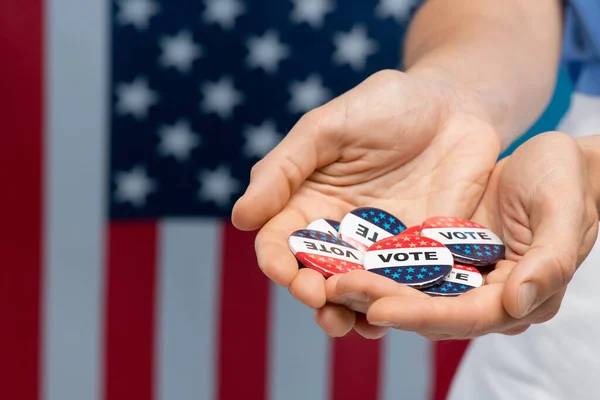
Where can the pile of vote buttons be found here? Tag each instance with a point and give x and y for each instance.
(440, 257)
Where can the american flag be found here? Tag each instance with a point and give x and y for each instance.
(128, 131)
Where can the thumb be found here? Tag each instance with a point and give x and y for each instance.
(310, 145)
(548, 265)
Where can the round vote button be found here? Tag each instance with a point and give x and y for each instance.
(324, 252)
(412, 230)
(367, 225)
(410, 259)
(461, 279)
(470, 243)
(325, 225)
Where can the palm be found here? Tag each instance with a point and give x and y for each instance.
(427, 156)
(541, 190)
(427, 184)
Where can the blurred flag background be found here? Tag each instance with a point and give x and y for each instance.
(128, 131)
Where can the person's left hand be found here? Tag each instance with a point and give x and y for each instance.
(541, 201)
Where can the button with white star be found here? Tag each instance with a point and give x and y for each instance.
(329, 226)
(409, 259)
(324, 253)
(412, 230)
(461, 279)
(469, 242)
(367, 225)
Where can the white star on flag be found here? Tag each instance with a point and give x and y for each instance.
(217, 186)
(135, 98)
(398, 9)
(136, 12)
(266, 52)
(134, 186)
(312, 12)
(221, 97)
(261, 139)
(353, 48)
(223, 12)
(308, 95)
(178, 140)
(179, 51)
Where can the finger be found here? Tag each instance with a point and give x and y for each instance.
(472, 314)
(556, 211)
(330, 285)
(546, 267)
(308, 287)
(358, 301)
(335, 320)
(517, 330)
(547, 310)
(368, 331)
(311, 144)
(367, 286)
(500, 273)
(272, 250)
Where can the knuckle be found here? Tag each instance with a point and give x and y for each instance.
(516, 331)
(546, 315)
(315, 118)
(567, 265)
(386, 75)
(562, 267)
(549, 309)
(327, 121)
(390, 81)
(437, 337)
(256, 169)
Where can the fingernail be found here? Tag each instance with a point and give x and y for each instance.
(527, 297)
(386, 324)
(357, 296)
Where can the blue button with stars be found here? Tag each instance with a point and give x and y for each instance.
(461, 279)
(325, 225)
(410, 259)
(324, 253)
(367, 225)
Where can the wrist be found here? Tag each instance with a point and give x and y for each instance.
(590, 147)
(491, 103)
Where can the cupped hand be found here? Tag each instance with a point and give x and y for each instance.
(411, 144)
(541, 201)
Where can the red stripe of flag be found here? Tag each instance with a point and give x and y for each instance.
(131, 293)
(356, 368)
(446, 359)
(21, 201)
(244, 319)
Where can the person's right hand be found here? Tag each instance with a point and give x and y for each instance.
(412, 144)
(542, 202)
